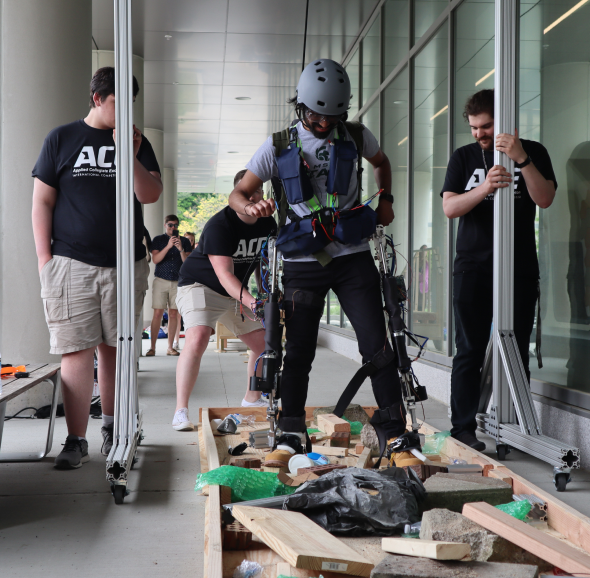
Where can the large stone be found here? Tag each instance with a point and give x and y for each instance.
(446, 526)
(369, 437)
(354, 412)
(453, 494)
(474, 478)
(409, 567)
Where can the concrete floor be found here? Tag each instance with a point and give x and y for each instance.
(65, 523)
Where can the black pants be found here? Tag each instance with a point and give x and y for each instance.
(473, 306)
(355, 281)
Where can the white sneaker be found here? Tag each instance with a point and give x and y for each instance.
(258, 403)
(181, 421)
(176, 345)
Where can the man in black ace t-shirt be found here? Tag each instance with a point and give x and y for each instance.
(470, 185)
(209, 291)
(74, 225)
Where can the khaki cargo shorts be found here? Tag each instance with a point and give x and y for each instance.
(80, 303)
(200, 305)
(164, 294)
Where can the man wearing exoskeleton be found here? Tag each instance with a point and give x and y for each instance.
(323, 238)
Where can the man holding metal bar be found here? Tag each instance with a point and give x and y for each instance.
(74, 224)
(468, 192)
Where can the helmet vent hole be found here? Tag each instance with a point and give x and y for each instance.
(321, 79)
(320, 103)
(318, 63)
(340, 71)
(320, 70)
(340, 105)
(341, 80)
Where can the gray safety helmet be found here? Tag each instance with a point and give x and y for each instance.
(324, 87)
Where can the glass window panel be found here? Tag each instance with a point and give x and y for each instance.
(474, 65)
(425, 13)
(371, 50)
(371, 120)
(324, 318)
(429, 225)
(395, 145)
(554, 109)
(396, 41)
(346, 324)
(353, 71)
(334, 310)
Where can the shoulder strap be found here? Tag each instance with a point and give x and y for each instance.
(355, 130)
(280, 141)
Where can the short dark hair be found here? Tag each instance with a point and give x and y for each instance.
(480, 102)
(171, 218)
(239, 176)
(103, 84)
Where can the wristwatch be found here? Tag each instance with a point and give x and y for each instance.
(386, 197)
(528, 161)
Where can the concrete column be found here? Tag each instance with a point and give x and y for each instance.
(102, 58)
(153, 215)
(170, 195)
(45, 59)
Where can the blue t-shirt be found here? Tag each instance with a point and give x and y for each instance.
(169, 267)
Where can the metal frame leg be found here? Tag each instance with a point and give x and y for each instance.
(55, 380)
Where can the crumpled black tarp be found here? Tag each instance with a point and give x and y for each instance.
(357, 502)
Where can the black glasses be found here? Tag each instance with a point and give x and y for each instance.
(172, 224)
(315, 117)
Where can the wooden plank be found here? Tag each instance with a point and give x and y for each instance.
(328, 451)
(210, 445)
(260, 412)
(364, 460)
(358, 449)
(256, 552)
(13, 387)
(330, 423)
(285, 569)
(538, 543)
(426, 548)
(301, 542)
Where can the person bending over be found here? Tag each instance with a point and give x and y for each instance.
(212, 281)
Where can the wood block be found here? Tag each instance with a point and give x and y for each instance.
(500, 475)
(320, 470)
(424, 471)
(364, 461)
(313, 439)
(248, 463)
(484, 464)
(301, 542)
(275, 470)
(426, 548)
(329, 423)
(236, 537)
(358, 449)
(544, 546)
(224, 495)
(328, 451)
(340, 439)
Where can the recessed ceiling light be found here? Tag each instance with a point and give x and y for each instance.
(398, 101)
(232, 152)
(175, 83)
(243, 98)
(167, 36)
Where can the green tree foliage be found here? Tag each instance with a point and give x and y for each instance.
(195, 210)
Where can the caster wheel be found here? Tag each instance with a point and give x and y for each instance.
(501, 452)
(119, 493)
(140, 438)
(560, 481)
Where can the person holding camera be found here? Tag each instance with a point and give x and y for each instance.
(168, 253)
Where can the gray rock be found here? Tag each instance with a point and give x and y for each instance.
(369, 437)
(475, 479)
(353, 412)
(408, 566)
(453, 494)
(446, 526)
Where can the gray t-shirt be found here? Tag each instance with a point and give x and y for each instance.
(316, 153)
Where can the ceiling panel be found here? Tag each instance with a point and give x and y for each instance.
(266, 95)
(287, 48)
(254, 112)
(266, 16)
(185, 15)
(172, 45)
(182, 93)
(261, 74)
(183, 72)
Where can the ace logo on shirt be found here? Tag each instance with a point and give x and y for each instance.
(479, 176)
(248, 250)
(97, 163)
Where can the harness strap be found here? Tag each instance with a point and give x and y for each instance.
(304, 297)
(538, 337)
(381, 359)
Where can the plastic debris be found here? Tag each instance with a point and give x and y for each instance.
(248, 569)
(312, 430)
(355, 426)
(518, 510)
(245, 484)
(434, 443)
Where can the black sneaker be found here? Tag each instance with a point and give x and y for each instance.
(107, 437)
(74, 454)
(470, 440)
